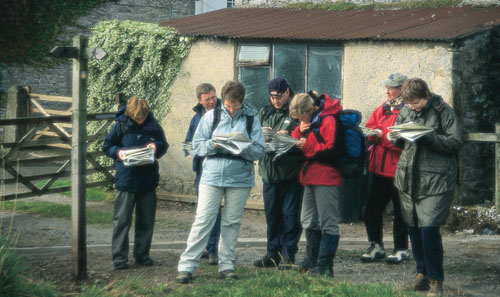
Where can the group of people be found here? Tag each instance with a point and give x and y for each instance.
(301, 189)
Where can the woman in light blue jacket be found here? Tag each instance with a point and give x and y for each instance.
(223, 175)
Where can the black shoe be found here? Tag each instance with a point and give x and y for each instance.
(121, 266)
(267, 261)
(229, 275)
(184, 277)
(145, 262)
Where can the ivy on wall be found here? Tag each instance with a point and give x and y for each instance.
(142, 59)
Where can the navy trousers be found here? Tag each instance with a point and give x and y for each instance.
(213, 240)
(427, 247)
(282, 205)
(382, 191)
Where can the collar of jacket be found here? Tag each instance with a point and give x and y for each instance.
(269, 109)
(387, 107)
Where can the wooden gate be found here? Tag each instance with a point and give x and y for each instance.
(36, 149)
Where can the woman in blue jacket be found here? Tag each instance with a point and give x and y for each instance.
(135, 127)
(223, 175)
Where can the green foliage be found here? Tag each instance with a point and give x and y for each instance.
(33, 27)
(142, 59)
(344, 5)
(12, 282)
(283, 283)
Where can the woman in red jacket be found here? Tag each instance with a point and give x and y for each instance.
(382, 166)
(319, 216)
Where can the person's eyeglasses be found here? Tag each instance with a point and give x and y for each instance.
(276, 96)
(234, 107)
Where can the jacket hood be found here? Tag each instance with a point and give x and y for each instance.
(437, 102)
(327, 106)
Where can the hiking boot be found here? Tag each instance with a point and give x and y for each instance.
(328, 249)
(229, 275)
(313, 240)
(267, 261)
(213, 259)
(287, 263)
(145, 262)
(421, 282)
(184, 277)
(121, 266)
(398, 257)
(204, 254)
(374, 253)
(435, 287)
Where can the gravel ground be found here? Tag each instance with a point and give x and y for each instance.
(472, 262)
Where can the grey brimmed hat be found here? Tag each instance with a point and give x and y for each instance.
(395, 80)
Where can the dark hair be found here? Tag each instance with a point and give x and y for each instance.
(204, 88)
(415, 88)
(233, 90)
(137, 108)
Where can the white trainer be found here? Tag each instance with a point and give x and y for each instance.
(374, 253)
(398, 257)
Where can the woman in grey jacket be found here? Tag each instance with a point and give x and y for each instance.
(425, 177)
(223, 175)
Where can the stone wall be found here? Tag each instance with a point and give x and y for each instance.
(56, 80)
(476, 86)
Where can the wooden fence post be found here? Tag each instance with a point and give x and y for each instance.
(497, 170)
(16, 107)
(78, 159)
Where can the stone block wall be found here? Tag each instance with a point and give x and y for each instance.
(476, 87)
(56, 80)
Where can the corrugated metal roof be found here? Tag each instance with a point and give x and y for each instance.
(445, 24)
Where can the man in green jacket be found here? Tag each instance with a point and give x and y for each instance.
(282, 190)
(425, 177)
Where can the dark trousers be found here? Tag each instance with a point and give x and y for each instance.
(282, 205)
(382, 191)
(427, 247)
(145, 211)
(213, 240)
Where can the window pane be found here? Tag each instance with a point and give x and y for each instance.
(325, 70)
(289, 63)
(255, 80)
(253, 55)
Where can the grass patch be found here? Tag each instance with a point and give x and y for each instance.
(280, 283)
(56, 210)
(92, 194)
(133, 285)
(463, 267)
(12, 280)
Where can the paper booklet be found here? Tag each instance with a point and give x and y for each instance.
(234, 142)
(368, 131)
(277, 142)
(409, 131)
(140, 156)
(187, 148)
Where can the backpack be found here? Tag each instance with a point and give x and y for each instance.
(216, 121)
(348, 154)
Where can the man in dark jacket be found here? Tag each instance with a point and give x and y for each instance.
(207, 100)
(426, 175)
(135, 127)
(282, 189)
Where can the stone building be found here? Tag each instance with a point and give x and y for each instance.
(346, 54)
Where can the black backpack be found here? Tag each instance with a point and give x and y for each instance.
(348, 154)
(216, 121)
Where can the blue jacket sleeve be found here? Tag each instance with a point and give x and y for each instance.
(111, 143)
(161, 143)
